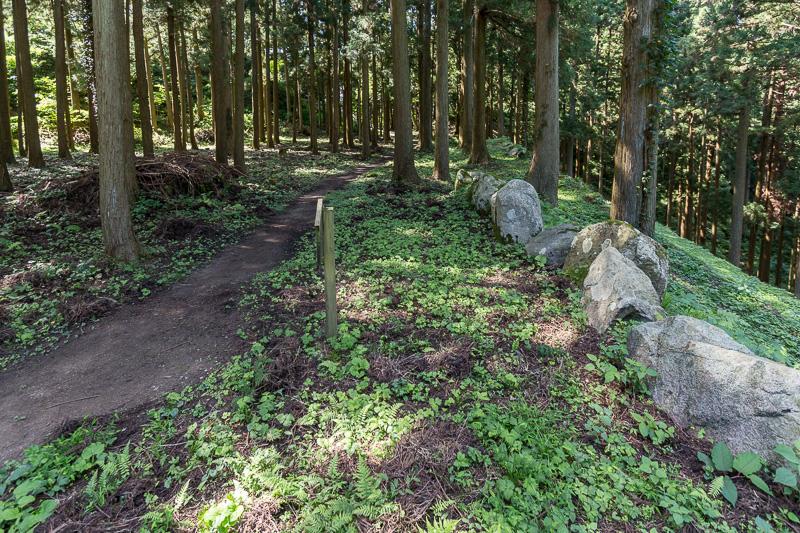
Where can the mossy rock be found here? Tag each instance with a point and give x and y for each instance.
(646, 253)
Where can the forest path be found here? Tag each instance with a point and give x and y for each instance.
(142, 350)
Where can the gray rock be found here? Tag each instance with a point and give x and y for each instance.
(516, 212)
(648, 255)
(553, 243)
(706, 379)
(463, 179)
(480, 194)
(616, 289)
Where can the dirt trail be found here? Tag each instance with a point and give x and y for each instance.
(142, 350)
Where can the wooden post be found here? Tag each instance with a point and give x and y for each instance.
(330, 273)
(318, 232)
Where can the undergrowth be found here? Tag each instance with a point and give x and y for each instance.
(463, 392)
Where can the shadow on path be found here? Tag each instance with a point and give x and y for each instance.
(142, 350)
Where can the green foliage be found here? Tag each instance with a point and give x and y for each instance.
(744, 465)
(28, 489)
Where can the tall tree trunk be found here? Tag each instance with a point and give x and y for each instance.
(779, 264)
(62, 96)
(74, 94)
(702, 194)
(312, 100)
(570, 155)
(276, 123)
(467, 73)
(375, 103)
(298, 106)
(479, 153)
(543, 170)
(165, 79)
(425, 104)
(6, 137)
(363, 122)
(635, 158)
(26, 84)
(238, 119)
(739, 188)
(187, 86)
(403, 171)
(337, 90)
(348, 84)
(179, 144)
(687, 217)
(441, 163)
(256, 76)
(715, 204)
(198, 80)
(797, 255)
(501, 126)
(150, 88)
(141, 79)
(20, 119)
(117, 168)
(259, 73)
(218, 80)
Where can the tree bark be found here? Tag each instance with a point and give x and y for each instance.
(218, 80)
(779, 264)
(715, 204)
(198, 81)
(165, 79)
(256, 77)
(467, 73)
(238, 119)
(479, 153)
(187, 87)
(26, 83)
(179, 143)
(570, 155)
(276, 123)
(74, 94)
(543, 170)
(348, 84)
(117, 168)
(739, 188)
(635, 158)
(6, 137)
(375, 103)
(150, 87)
(441, 163)
(425, 104)
(20, 119)
(62, 94)
(312, 100)
(501, 126)
(363, 122)
(142, 92)
(337, 90)
(403, 171)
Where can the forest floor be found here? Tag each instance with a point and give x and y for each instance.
(464, 391)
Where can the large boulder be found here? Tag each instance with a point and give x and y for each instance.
(553, 243)
(706, 379)
(516, 212)
(616, 289)
(480, 194)
(648, 255)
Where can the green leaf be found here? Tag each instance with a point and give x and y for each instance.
(92, 449)
(787, 453)
(729, 491)
(758, 482)
(722, 456)
(747, 463)
(763, 525)
(705, 459)
(784, 476)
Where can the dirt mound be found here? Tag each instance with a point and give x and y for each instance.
(168, 176)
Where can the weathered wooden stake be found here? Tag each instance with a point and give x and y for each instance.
(318, 232)
(330, 273)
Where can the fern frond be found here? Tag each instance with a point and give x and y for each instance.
(715, 488)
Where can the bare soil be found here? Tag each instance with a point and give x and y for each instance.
(139, 351)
